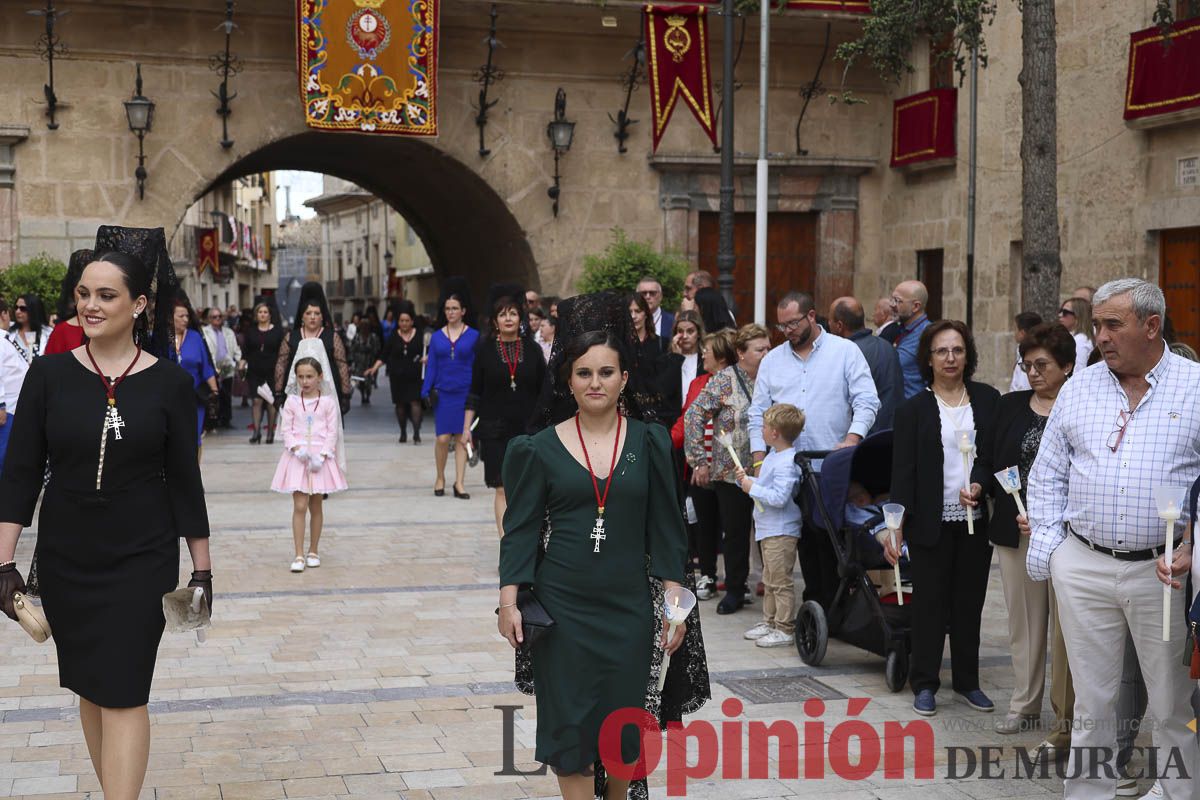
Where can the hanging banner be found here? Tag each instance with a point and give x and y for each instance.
(677, 48)
(1163, 78)
(828, 6)
(206, 251)
(369, 65)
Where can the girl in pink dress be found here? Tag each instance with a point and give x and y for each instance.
(308, 468)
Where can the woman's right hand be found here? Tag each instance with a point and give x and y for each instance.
(700, 477)
(890, 552)
(11, 582)
(509, 625)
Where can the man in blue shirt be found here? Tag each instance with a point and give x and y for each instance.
(908, 303)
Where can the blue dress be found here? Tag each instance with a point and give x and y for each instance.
(449, 372)
(193, 357)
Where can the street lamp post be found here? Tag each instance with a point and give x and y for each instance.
(561, 133)
(139, 111)
(725, 256)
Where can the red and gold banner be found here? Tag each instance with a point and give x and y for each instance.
(834, 6)
(1163, 79)
(207, 247)
(369, 65)
(923, 127)
(677, 38)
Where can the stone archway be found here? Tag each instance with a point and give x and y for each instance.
(466, 228)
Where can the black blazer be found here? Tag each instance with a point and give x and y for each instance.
(918, 462)
(1013, 418)
(670, 385)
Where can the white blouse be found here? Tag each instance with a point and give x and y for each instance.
(954, 475)
(691, 365)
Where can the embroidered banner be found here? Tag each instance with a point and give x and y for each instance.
(923, 127)
(678, 63)
(369, 65)
(206, 251)
(836, 6)
(1163, 79)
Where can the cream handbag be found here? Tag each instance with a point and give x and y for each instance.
(31, 618)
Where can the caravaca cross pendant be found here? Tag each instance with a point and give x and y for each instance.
(112, 419)
(598, 531)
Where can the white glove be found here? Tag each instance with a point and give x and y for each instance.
(315, 462)
(302, 454)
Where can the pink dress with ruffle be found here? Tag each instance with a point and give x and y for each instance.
(312, 426)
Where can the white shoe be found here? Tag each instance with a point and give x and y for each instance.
(758, 631)
(776, 639)
(298, 564)
(1127, 787)
(706, 588)
(313, 560)
(1155, 793)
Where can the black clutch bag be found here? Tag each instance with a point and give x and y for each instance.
(536, 622)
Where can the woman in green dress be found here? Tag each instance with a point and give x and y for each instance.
(604, 487)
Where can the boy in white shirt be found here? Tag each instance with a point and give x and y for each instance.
(777, 524)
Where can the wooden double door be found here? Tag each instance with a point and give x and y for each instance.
(1179, 277)
(791, 258)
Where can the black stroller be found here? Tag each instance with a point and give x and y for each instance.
(857, 614)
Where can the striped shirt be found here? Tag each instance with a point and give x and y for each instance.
(1107, 495)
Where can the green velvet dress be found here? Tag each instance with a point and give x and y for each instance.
(597, 658)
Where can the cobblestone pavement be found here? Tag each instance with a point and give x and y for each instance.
(378, 675)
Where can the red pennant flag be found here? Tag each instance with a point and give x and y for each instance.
(206, 247)
(677, 38)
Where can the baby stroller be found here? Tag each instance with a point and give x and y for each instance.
(857, 614)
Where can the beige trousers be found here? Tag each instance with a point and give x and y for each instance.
(1028, 606)
(779, 595)
(1100, 601)
(1062, 691)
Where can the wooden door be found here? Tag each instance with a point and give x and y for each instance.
(791, 258)
(1179, 276)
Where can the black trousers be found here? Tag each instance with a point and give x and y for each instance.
(736, 510)
(949, 582)
(225, 402)
(818, 565)
(707, 530)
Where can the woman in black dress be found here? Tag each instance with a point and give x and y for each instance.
(402, 353)
(124, 486)
(364, 352)
(506, 380)
(314, 320)
(261, 351)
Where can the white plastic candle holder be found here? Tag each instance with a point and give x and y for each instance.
(678, 602)
(1010, 481)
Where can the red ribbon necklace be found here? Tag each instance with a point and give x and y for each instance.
(512, 366)
(601, 499)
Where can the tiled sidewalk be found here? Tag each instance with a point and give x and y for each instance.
(378, 675)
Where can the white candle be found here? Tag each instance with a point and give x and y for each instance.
(1169, 551)
(896, 568)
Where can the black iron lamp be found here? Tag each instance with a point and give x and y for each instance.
(561, 133)
(218, 218)
(139, 110)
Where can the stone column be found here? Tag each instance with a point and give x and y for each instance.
(10, 136)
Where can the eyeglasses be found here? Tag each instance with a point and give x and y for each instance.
(1114, 439)
(1066, 312)
(788, 327)
(650, 292)
(944, 352)
(22, 308)
(1040, 366)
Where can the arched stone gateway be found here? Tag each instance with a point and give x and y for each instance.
(466, 227)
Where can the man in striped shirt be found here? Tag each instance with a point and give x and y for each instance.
(1119, 429)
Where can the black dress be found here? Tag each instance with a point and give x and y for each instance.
(261, 350)
(403, 361)
(503, 411)
(105, 558)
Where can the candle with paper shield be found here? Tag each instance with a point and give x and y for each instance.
(966, 446)
(1169, 500)
(725, 439)
(470, 449)
(1010, 481)
(893, 518)
(678, 602)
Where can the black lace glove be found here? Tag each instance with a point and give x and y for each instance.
(203, 579)
(11, 582)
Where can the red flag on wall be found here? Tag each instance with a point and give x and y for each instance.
(677, 38)
(206, 249)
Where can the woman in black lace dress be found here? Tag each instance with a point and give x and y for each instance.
(261, 350)
(506, 380)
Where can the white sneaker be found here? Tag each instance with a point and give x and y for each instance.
(758, 631)
(313, 560)
(298, 564)
(706, 588)
(776, 639)
(1155, 793)
(1127, 787)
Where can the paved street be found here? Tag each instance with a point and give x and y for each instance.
(378, 674)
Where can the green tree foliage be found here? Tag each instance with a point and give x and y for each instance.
(624, 262)
(40, 275)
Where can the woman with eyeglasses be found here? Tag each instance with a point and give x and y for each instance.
(1075, 314)
(1047, 357)
(950, 563)
(29, 332)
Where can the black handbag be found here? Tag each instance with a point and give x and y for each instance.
(536, 622)
(203, 392)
